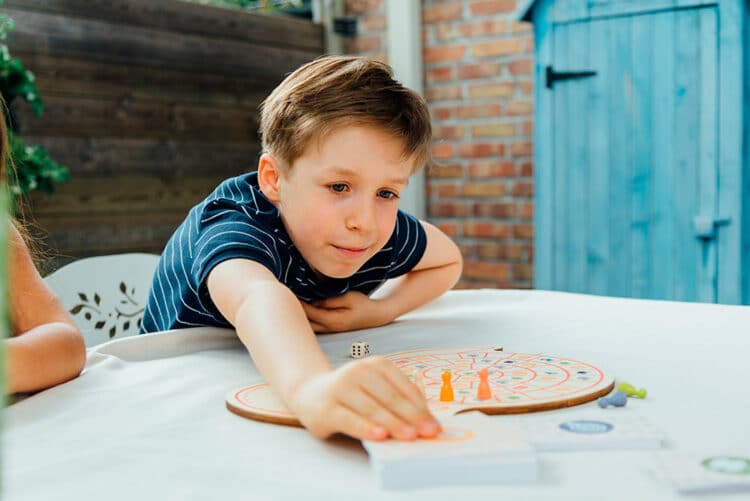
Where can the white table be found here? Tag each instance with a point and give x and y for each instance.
(147, 420)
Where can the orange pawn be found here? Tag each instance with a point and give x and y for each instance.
(484, 392)
(446, 391)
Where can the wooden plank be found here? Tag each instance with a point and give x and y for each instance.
(134, 194)
(79, 236)
(599, 158)
(62, 76)
(577, 10)
(57, 35)
(577, 171)
(734, 185)
(168, 160)
(189, 18)
(544, 175)
(686, 153)
(706, 285)
(561, 133)
(664, 98)
(620, 132)
(81, 116)
(641, 256)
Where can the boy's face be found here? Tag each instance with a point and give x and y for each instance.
(339, 200)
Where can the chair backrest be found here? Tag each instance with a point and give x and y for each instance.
(105, 295)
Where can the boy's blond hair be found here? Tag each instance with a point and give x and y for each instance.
(338, 91)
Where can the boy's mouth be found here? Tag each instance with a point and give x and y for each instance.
(351, 252)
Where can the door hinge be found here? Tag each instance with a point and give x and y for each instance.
(705, 226)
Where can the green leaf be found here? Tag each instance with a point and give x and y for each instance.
(76, 309)
(99, 324)
(83, 297)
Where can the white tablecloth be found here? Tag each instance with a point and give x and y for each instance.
(147, 420)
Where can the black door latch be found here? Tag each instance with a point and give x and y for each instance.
(555, 76)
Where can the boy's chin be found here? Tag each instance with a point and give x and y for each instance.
(334, 274)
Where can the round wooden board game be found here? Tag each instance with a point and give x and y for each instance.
(520, 382)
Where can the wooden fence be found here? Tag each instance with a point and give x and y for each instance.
(150, 103)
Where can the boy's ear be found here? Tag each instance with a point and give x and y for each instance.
(268, 176)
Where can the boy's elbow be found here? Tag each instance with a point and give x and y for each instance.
(75, 351)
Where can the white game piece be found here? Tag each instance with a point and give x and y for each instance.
(359, 349)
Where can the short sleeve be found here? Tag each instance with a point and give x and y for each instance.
(408, 244)
(228, 230)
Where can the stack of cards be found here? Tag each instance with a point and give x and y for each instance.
(690, 472)
(473, 449)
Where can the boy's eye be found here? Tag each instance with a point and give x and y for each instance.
(337, 187)
(387, 194)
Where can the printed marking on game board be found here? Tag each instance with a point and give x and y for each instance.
(550, 382)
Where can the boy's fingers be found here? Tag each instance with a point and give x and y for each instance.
(365, 405)
(355, 425)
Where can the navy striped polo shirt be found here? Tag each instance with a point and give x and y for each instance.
(238, 221)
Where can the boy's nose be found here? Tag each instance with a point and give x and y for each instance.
(360, 218)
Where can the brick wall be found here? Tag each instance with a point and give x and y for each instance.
(478, 82)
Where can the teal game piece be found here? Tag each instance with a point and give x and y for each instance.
(618, 399)
(629, 390)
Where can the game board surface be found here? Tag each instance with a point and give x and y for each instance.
(520, 382)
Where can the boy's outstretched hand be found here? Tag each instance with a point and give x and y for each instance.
(367, 399)
(347, 312)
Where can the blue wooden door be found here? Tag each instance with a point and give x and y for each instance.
(628, 182)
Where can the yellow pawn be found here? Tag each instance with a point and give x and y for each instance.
(629, 390)
(446, 391)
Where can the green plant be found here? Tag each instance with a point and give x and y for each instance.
(34, 169)
(299, 8)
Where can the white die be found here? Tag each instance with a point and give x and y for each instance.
(360, 349)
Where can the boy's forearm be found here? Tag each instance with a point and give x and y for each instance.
(420, 287)
(273, 326)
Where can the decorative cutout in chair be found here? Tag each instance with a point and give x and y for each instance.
(105, 295)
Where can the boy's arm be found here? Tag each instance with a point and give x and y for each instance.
(369, 398)
(437, 271)
(47, 348)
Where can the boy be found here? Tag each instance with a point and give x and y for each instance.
(298, 247)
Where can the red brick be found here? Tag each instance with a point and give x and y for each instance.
(527, 210)
(493, 130)
(449, 228)
(495, 48)
(443, 113)
(495, 189)
(372, 22)
(476, 111)
(492, 169)
(445, 12)
(483, 28)
(521, 150)
(525, 87)
(448, 209)
(443, 53)
(521, 67)
(364, 43)
(520, 107)
(527, 128)
(523, 231)
(468, 250)
(440, 74)
(523, 189)
(524, 27)
(527, 44)
(504, 210)
(486, 229)
(449, 132)
(443, 150)
(443, 92)
(474, 150)
(527, 169)
(361, 6)
(486, 271)
(483, 7)
(445, 32)
(523, 271)
(491, 90)
(495, 250)
(480, 70)
(446, 190)
(446, 171)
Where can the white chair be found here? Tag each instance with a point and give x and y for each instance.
(105, 295)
